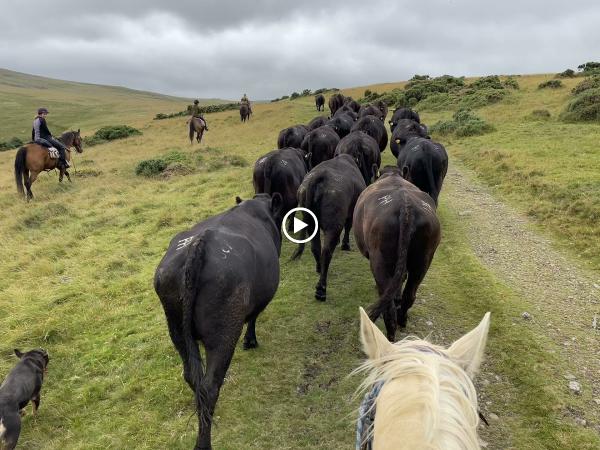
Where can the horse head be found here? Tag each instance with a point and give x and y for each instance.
(77, 141)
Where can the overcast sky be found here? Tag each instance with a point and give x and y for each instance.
(268, 48)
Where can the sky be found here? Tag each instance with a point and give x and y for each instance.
(270, 48)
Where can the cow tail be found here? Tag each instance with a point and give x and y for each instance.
(405, 232)
(193, 264)
(267, 173)
(433, 185)
(20, 169)
(308, 201)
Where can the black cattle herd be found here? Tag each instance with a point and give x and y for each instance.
(223, 272)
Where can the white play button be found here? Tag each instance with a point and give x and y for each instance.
(299, 225)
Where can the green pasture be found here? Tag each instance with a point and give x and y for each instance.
(78, 264)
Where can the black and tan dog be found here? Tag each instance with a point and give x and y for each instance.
(23, 384)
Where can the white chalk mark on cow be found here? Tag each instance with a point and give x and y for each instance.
(284, 162)
(262, 160)
(426, 205)
(385, 200)
(227, 250)
(182, 243)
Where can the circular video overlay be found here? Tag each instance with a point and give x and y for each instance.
(299, 225)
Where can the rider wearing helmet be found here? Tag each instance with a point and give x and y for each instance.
(197, 113)
(41, 134)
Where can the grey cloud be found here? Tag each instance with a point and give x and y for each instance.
(269, 48)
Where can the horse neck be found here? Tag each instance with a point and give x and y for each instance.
(67, 138)
(430, 404)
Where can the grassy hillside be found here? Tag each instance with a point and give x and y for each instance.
(77, 280)
(75, 105)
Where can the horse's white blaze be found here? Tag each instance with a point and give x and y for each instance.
(428, 399)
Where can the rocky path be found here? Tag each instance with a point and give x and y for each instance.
(563, 298)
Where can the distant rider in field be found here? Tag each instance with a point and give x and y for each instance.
(40, 134)
(245, 101)
(197, 114)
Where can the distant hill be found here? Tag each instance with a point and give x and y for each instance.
(76, 105)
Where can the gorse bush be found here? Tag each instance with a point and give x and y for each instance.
(464, 123)
(110, 133)
(206, 109)
(588, 83)
(550, 84)
(492, 81)
(584, 107)
(569, 73)
(10, 144)
(150, 167)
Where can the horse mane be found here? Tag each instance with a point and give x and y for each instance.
(426, 400)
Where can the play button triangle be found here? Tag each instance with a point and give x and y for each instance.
(299, 225)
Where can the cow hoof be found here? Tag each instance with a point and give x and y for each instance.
(250, 344)
(346, 247)
(321, 294)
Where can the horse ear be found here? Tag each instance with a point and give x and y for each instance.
(19, 353)
(374, 343)
(78, 130)
(467, 352)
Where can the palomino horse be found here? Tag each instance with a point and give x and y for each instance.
(419, 395)
(245, 112)
(196, 126)
(31, 159)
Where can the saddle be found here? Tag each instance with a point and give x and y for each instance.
(52, 151)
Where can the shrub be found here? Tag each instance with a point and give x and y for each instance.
(550, 84)
(464, 123)
(585, 107)
(588, 83)
(421, 88)
(492, 81)
(294, 95)
(13, 142)
(284, 97)
(511, 83)
(306, 93)
(482, 97)
(150, 167)
(437, 102)
(110, 133)
(206, 109)
(589, 67)
(320, 91)
(368, 93)
(569, 73)
(540, 114)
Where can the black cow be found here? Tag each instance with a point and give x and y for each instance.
(404, 130)
(349, 101)
(291, 136)
(22, 385)
(424, 163)
(347, 111)
(214, 277)
(374, 128)
(317, 122)
(330, 191)
(341, 124)
(319, 145)
(396, 228)
(335, 101)
(383, 107)
(371, 110)
(403, 113)
(365, 151)
(281, 171)
(320, 102)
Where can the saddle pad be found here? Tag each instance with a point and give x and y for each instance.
(53, 153)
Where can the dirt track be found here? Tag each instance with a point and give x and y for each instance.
(563, 298)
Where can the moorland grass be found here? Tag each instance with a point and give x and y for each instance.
(77, 279)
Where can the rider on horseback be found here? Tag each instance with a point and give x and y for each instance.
(245, 101)
(40, 134)
(197, 113)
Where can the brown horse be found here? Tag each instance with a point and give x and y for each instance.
(245, 112)
(32, 158)
(196, 126)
